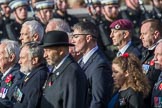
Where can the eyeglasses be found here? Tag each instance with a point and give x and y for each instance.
(77, 35)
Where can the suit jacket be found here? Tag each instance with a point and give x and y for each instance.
(98, 72)
(15, 81)
(134, 50)
(147, 56)
(66, 87)
(31, 87)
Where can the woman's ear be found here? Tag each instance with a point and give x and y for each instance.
(126, 74)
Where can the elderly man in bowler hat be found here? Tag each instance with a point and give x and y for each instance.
(66, 86)
(121, 35)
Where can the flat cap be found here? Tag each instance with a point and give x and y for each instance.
(56, 38)
(122, 24)
(109, 2)
(44, 5)
(17, 3)
(4, 1)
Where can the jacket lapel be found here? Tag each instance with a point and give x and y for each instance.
(59, 71)
(90, 60)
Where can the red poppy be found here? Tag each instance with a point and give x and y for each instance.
(160, 86)
(9, 78)
(152, 62)
(125, 55)
(50, 84)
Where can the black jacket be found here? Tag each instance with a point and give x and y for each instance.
(31, 87)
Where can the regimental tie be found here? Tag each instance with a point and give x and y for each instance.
(118, 54)
(81, 63)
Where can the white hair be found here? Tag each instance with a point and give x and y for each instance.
(12, 47)
(35, 27)
(61, 25)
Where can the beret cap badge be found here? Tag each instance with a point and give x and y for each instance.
(117, 26)
(122, 24)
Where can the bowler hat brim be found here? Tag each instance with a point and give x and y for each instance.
(56, 44)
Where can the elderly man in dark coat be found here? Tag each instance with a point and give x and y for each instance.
(121, 35)
(66, 86)
(12, 77)
(32, 64)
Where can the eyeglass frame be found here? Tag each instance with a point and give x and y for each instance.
(73, 35)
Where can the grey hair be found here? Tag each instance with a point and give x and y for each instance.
(35, 27)
(87, 28)
(35, 50)
(12, 47)
(61, 25)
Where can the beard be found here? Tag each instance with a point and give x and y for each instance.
(26, 69)
(158, 65)
(53, 61)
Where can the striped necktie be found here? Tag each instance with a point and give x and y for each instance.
(119, 54)
(81, 63)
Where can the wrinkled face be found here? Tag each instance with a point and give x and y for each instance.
(111, 11)
(25, 60)
(118, 76)
(52, 55)
(4, 59)
(157, 3)
(25, 34)
(21, 12)
(79, 40)
(158, 57)
(6, 9)
(117, 37)
(61, 5)
(147, 36)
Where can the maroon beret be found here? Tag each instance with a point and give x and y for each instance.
(122, 24)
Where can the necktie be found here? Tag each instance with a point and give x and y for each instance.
(81, 63)
(119, 54)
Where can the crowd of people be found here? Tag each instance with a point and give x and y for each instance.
(112, 58)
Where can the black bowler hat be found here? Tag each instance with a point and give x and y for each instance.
(56, 38)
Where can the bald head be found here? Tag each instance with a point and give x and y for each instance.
(58, 24)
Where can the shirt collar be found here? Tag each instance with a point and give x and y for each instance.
(62, 61)
(4, 75)
(154, 45)
(89, 54)
(122, 50)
